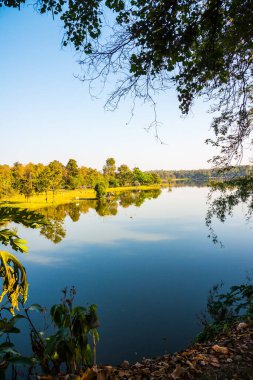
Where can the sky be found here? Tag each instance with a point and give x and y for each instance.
(47, 114)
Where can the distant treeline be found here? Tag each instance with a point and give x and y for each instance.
(32, 178)
(203, 175)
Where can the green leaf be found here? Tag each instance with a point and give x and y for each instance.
(17, 317)
(6, 345)
(36, 307)
(8, 350)
(23, 361)
(21, 244)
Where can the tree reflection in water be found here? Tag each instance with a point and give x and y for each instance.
(223, 199)
(55, 230)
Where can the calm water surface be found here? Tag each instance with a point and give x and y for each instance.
(148, 268)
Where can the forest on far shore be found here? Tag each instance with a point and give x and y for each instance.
(203, 175)
(31, 179)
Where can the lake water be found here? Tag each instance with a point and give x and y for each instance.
(148, 266)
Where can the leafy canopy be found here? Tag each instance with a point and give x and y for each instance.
(25, 217)
(202, 47)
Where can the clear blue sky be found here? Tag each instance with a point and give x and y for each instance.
(46, 113)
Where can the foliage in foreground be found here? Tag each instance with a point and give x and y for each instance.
(25, 217)
(223, 309)
(71, 347)
(75, 326)
(15, 285)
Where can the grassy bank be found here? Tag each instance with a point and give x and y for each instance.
(63, 196)
(39, 201)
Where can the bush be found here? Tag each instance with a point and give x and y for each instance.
(100, 190)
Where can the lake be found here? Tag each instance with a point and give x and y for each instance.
(146, 261)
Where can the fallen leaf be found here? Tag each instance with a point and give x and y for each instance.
(89, 374)
(190, 365)
(220, 349)
(200, 357)
(214, 364)
(188, 352)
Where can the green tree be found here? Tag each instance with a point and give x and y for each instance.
(72, 178)
(44, 180)
(141, 178)
(28, 181)
(56, 175)
(17, 174)
(100, 190)
(5, 180)
(109, 171)
(155, 178)
(124, 175)
(90, 177)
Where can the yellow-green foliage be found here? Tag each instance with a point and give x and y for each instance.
(39, 201)
(65, 196)
(126, 188)
(15, 284)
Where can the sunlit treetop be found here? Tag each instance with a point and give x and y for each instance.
(201, 47)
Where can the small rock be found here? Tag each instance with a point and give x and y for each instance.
(242, 325)
(137, 365)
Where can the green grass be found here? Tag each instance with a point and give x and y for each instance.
(128, 188)
(64, 196)
(39, 201)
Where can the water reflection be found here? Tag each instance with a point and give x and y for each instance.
(223, 199)
(137, 198)
(143, 262)
(55, 229)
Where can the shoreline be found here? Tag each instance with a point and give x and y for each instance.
(39, 201)
(227, 356)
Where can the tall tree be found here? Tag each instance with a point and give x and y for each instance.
(109, 171)
(28, 181)
(56, 175)
(44, 181)
(17, 173)
(72, 178)
(90, 177)
(124, 175)
(5, 180)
